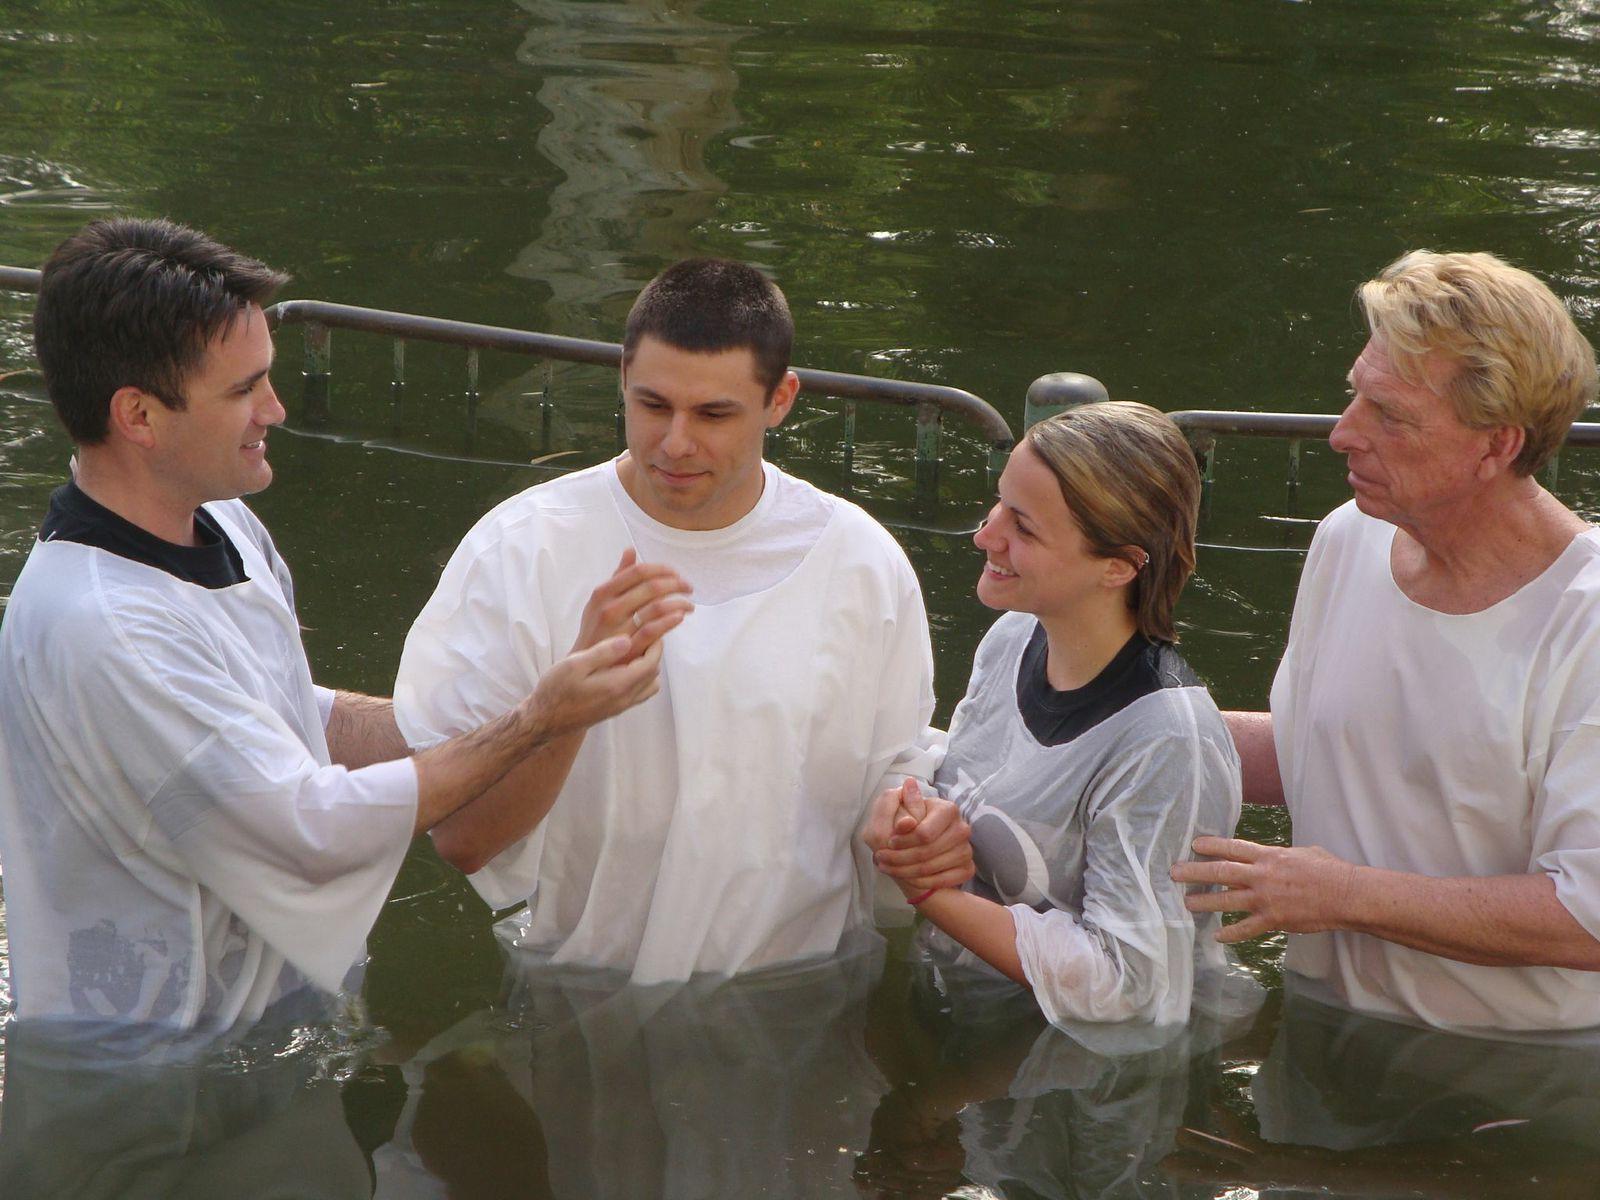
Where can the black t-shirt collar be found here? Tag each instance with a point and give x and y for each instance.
(75, 517)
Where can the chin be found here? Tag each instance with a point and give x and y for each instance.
(989, 600)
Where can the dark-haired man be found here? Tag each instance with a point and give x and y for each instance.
(190, 830)
(710, 830)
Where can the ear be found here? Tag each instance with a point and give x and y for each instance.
(1504, 444)
(783, 397)
(1119, 572)
(130, 416)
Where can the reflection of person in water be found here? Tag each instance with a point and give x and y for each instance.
(82, 1121)
(1018, 1107)
(1086, 755)
(1360, 1105)
(582, 1086)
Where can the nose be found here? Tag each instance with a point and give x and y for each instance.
(678, 442)
(271, 411)
(1346, 433)
(988, 535)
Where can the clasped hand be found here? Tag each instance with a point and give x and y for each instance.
(921, 842)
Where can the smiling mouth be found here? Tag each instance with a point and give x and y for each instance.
(998, 572)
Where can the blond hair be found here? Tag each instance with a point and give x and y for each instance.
(1520, 360)
(1130, 480)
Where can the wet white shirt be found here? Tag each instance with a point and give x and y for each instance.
(711, 828)
(177, 849)
(1444, 745)
(1078, 839)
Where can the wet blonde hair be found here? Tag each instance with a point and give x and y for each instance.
(1519, 356)
(1130, 480)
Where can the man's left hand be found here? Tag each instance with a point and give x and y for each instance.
(1298, 889)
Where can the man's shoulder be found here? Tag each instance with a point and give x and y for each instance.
(849, 520)
(575, 496)
(87, 601)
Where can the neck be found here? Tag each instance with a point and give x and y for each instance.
(1493, 541)
(110, 484)
(1082, 643)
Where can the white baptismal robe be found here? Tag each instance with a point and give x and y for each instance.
(1444, 745)
(177, 849)
(710, 829)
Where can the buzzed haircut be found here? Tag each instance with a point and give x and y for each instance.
(132, 303)
(708, 305)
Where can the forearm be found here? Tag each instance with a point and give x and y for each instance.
(1499, 920)
(981, 925)
(362, 731)
(455, 772)
(510, 809)
(1258, 756)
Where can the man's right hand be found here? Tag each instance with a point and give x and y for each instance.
(641, 601)
(587, 686)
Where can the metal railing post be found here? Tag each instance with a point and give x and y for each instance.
(546, 408)
(472, 395)
(849, 445)
(1051, 394)
(397, 383)
(316, 388)
(927, 481)
(1205, 450)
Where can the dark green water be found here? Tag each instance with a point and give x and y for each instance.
(1176, 197)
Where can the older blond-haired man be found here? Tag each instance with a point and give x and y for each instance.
(1435, 722)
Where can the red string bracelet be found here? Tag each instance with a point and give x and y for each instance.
(919, 899)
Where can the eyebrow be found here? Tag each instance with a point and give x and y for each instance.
(249, 381)
(1015, 511)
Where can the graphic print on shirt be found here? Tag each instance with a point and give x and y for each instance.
(114, 976)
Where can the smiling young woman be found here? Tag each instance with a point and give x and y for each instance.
(1086, 755)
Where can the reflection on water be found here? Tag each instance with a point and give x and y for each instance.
(120, 1115)
(635, 92)
(581, 1087)
(1358, 1106)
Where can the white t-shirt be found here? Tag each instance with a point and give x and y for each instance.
(177, 849)
(711, 828)
(757, 551)
(1444, 745)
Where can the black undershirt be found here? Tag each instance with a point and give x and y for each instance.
(74, 517)
(1056, 718)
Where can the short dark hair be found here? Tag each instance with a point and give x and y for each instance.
(708, 305)
(132, 303)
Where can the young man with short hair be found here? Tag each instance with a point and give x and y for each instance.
(710, 830)
(191, 831)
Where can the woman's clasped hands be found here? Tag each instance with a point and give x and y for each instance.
(919, 841)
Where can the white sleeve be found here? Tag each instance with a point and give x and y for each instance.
(325, 699)
(468, 660)
(902, 739)
(1566, 821)
(304, 853)
(1130, 954)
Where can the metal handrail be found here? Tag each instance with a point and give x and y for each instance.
(931, 401)
(19, 279)
(1306, 425)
